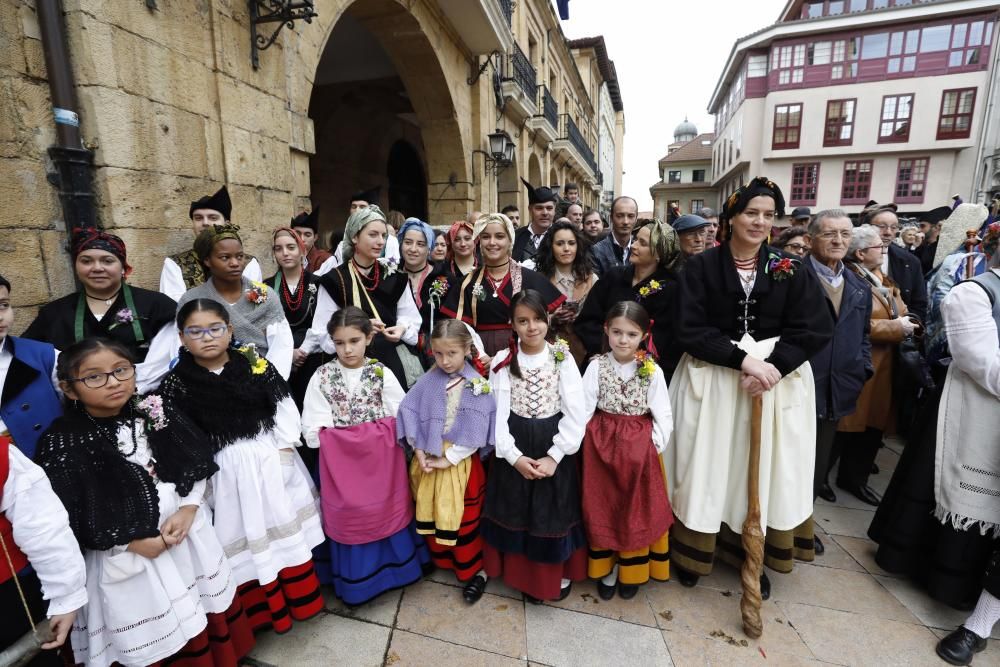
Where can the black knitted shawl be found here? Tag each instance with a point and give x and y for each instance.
(110, 500)
(232, 405)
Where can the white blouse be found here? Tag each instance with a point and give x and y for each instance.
(972, 334)
(657, 397)
(571, 426)
(42, 532)
(317, 413)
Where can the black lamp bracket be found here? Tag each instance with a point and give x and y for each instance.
(282, 12)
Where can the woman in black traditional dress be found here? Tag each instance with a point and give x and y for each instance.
(483, 298)
(749, 318)
(108, 307)
(461, 256)
(429, 284)
(375, 286)
(650, 279)
(297, 290)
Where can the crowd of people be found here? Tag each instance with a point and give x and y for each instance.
(537, 403)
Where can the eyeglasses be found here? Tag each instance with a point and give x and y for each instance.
(98, 380)
(796, 247)
(872, 247)
(892, 228)
(214, 331)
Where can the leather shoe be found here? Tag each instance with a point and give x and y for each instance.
(564, 592)
(474, 589)
(826, 493)
(960, 646)
(687, 579)
(627, 591)
(532, 599)
(765, 587)
(864, 493)
(818, 546)
(604, 591)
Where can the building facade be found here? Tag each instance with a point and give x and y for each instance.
(685, 174)
(843, 102)
(389, 93)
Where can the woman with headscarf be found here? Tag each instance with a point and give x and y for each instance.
(650, 278)
(107, 306)
(461, 256)
(297, 289)
(766, 317)
(376, 286)
(429, 284)
(254, 308)
(482, 299)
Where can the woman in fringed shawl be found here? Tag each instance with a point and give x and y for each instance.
(255, 311)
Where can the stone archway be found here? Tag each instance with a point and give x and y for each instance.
(534, 170)
(380, 81)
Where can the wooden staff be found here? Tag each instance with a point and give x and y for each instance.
(753, 536)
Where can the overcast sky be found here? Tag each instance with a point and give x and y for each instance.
(669, 55)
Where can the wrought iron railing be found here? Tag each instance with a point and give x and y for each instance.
(548, 106)
(522, 71)
(571, 132)
(507, 7)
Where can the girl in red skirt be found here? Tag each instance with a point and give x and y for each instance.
(625, 507)
(532, 523)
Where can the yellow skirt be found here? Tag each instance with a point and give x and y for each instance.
(440, 498)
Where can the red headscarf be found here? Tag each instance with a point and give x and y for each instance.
(294, 234)
(453, 232)
(92, 238)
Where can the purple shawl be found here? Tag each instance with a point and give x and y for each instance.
(420, 420)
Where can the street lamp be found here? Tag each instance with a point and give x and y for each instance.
(501, 153)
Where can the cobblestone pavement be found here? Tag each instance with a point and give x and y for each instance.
(842, 609)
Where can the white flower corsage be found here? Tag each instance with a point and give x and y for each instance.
(478, 292)
(560, 350)
(312, 288)
(389, 265)
(152, 409)
(479, 386)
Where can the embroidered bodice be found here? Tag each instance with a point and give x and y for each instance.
(354, 394)
(453, 398)
(536, 393)
(619, 396)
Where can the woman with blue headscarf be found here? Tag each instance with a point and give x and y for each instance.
(429, 284)
(376, 286)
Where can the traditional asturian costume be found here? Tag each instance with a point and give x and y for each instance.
(29, 402)
(383, 293)
(625, 508)
(776, 312)
(266, 505)
(451, 416)
(534, 529)
(316, 256)
(431, 288)
(350, 415)
(484, 303)
(34, 529)
(185, 270)
(141, 320)
(120, 479)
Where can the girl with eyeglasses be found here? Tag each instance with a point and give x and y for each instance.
(266, 505)
(132, 476)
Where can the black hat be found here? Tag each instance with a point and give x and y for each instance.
(220, 202)
(540, 195)
(935, 215)
(310, 220)
(370, 196)
(688, 222)
(801, 213)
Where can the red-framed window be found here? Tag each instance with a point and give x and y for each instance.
(787, 126)
(805, 184)
(911, 180)
(857, 182)
(894, 123)
(955, 121)
(839, 122)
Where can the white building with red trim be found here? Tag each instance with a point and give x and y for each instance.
(845, 101)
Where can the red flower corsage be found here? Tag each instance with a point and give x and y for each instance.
(780, 267)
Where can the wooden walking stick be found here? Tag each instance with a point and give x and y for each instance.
(753, 536)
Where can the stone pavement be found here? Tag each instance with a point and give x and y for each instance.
(842, 609)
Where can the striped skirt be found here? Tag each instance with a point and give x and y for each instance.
(695, 552)
(294, 596)
(465, 557)
(226, 640)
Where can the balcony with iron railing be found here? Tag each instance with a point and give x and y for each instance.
(522, 71)
(507, 9)
(571, 133)
(548, 106)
